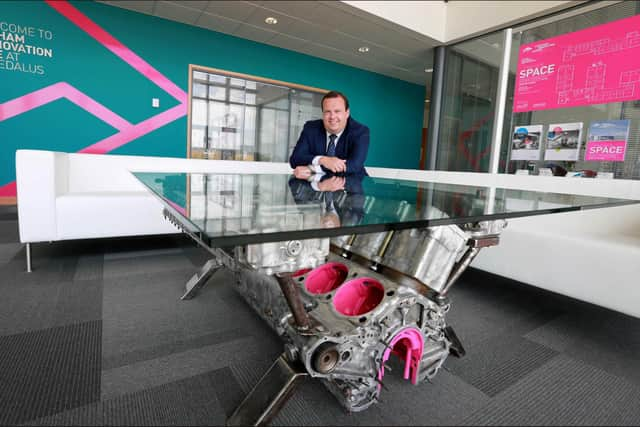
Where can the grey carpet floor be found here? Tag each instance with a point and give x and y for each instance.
(97, 335)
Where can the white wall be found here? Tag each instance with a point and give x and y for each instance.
(424, 17)
(467, 18)
(458, 19)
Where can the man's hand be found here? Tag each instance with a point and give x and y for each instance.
(330, 220)
(302, 172)
(335, 183)
(334, 164)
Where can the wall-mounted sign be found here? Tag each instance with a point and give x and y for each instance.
(607, 141)
(525, 144)
(22, 50)
(563, 141)
(593, 66)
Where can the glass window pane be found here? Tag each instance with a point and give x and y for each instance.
(267, 134)
(236, 95)
(217, 92)
(249, 137)
(234, 126)
(248, 120)
(281, 137)
(199, 75)
(468, 106)
(199, 112)
(236, 82)
(199, 90)
(217, 110)
(198, 137)
(216, 78)
(272, 96)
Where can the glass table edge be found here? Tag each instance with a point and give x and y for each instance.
(318, 233)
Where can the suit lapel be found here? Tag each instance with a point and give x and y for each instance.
(341, 149)
(321, 140)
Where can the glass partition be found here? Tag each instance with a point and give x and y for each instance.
(541, 141)
(468, 108)
(566, 132)
(240, 117)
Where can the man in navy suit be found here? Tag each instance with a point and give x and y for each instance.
(336, 144)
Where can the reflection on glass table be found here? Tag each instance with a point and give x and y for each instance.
(238, 209)
(349, 270)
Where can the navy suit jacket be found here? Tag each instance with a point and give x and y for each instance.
(352, 146)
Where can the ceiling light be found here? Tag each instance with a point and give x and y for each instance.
(271, 20)
(363, 49)
(428, 70)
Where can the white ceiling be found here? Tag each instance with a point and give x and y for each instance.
(330, 30)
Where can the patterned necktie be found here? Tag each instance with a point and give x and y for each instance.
(331, 149)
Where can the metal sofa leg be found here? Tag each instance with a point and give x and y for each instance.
(28, 248)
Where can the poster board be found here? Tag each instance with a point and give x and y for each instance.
(526, 142)
(597, 65)
(607, 141)
(563, 141)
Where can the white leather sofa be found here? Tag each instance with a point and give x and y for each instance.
(64, 196)
(591, 255)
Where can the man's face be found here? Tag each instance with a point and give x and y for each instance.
(334, 115)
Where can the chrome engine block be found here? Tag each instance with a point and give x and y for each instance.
(377, 296)
(360, 319)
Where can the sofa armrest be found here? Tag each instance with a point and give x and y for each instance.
(40, 177)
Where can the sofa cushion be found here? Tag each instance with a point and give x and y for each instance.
(110, 214)
(601, 270)
(590, 255)
(603, 223)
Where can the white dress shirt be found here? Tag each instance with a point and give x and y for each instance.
(316, 160)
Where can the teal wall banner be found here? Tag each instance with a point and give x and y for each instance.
(80, 77)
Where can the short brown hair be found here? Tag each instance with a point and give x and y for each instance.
(335, 94)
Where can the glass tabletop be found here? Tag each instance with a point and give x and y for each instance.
(238, 209)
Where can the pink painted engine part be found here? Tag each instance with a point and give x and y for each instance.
(373, 302)
(362, 320)
(358, 296)
(326, 278)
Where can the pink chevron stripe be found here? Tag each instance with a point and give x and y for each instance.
(56, 91)
(121, 138)
(8, 190)
(136, 131)
(110, 42)
(127, 131)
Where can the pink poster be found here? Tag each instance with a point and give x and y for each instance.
(607, 141)
(597, 65)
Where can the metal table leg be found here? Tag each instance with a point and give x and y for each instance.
(269, 395)
(28, 250)
(221, 259)
(200, 278)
